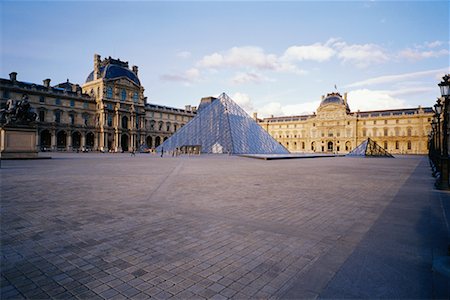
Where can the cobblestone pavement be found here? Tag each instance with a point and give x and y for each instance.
(114, 226)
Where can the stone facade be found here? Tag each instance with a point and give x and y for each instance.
(335, 129)
(109, 112)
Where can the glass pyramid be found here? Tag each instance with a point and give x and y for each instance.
(223, 127)
(369, 148)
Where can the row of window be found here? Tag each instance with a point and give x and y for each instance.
(374, 122)
(347, 146)
(169, 116)
(57, 117)
(123, 94)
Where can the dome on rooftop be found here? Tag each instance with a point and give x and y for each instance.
(111, 69)
(334, 98)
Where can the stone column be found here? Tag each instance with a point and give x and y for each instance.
(38, 141)
(83, 141)
(96, 137)
(69, 141)
(53, 144)
(117, 146)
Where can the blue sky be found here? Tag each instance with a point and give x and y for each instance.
(271, 57)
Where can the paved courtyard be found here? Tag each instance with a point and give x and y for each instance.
(115, 226)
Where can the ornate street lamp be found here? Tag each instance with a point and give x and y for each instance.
(443, 108)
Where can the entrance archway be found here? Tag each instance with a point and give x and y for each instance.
(90, 140)
(61, 140)
(124, 142)
(330, 147)
(348, 146)
(46, 140)
(157, 141)
(76, 140)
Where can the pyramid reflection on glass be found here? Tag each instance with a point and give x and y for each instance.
(369, 148)
(223, 127)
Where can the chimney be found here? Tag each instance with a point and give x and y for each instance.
(271, 116)
(135, 70)
(255, 116)
(345, 98)
(323, 97)
(187, 107)
(13, 76)
(46, 82)
(97, 62)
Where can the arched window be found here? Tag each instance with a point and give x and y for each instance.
(348, 145)
(124, 122)
(409, 131)
(409, 145)
(124, 95)
(41, 115)
(385, 145)
(135, 97)
(109, 92)
(396, 145)
(57, 116)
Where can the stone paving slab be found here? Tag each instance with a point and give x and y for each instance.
(109, 226)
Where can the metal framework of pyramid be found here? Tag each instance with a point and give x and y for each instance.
(369, 148)
(223, 127)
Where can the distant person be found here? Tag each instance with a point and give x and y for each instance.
(133, 152)
(162, 151)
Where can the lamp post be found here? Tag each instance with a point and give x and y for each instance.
(433, 146)
(444, 109)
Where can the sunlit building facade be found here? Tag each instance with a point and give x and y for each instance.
(109, 112)
(335, 129)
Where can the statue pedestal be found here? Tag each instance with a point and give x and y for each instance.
(18, 142)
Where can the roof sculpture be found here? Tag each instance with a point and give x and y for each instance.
(369, 148)
(223, 127)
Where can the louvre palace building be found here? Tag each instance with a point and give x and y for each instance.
(109, 112)
(335, 129)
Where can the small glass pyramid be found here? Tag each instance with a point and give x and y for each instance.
(223, 127)
(369, 148)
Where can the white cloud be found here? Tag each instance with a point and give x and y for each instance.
(249, 77)
(184, 54)
(186, 77)
(361, 55)
(316, 52)
(248, 57)
(240, 57)
(244, 101)
(271, 108)
(433, 44)
(365, 99)
(277, 109)
(416, 54)
(398, 77)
